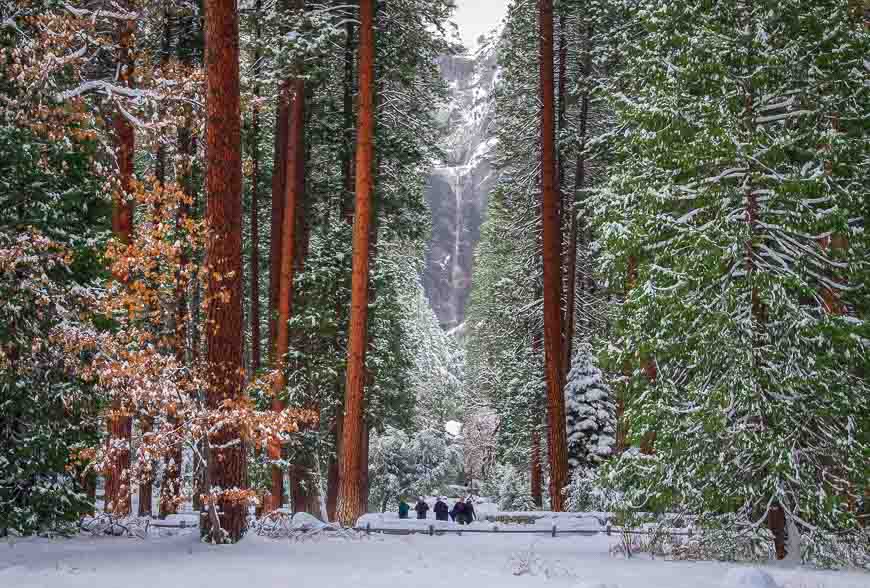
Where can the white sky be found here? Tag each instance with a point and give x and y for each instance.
(476, 17)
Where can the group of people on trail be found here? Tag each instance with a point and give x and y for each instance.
(462, 512)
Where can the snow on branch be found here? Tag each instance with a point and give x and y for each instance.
(107, 87)
(82, 13)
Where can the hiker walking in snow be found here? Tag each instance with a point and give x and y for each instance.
(458, 512)
(422, 508)
(469, 510)
(404, 508)
(441, 510)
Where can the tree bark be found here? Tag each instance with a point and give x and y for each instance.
(349, 499)
(255, 201)
(552, 280)
(333, 473)
(227, 466)
(170, 489)
(561, 110)
(364, 467)
(279, 189)
(776, 524)
(117, 492)
(293, 196)
(536, 475)
(346, 203)
(147, 483)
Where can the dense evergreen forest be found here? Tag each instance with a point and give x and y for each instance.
(214, 225)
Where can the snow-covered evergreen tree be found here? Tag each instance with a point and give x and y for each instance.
(408, 465)
(510, 488)
(591, 413)
(736, 217)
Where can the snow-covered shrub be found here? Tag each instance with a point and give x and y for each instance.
(590, 413)
(510, 489)
(46, 414)
(826, 550)
(586, 493)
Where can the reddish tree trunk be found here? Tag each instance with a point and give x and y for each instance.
(776, 524)
(226, 466)
(333, 474)
(562, 107)
(117, 492)
(279, 189)
(293, 195)
(346, 210)
(146, 484)
(552, 245)
(537, 475)
(349, 500)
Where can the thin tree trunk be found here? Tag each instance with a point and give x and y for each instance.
(561, 110)
(623, 427)
(346, 203)
(279, 189)
(364, 467)
(147, 482)
(552, 246)
(579, 185)
(255, 201)
(117, 494)
(537, 475)
(200, 468)
(226, 468)
(345, 211)
(351, 453)
(170, 489)
(333, 473)
(293, 196)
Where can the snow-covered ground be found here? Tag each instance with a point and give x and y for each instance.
(450, 561)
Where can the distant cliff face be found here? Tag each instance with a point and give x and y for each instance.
(459, 185)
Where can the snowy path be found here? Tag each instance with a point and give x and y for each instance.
(379, 561)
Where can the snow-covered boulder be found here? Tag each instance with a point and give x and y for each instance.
(302, 521)
(748, 578)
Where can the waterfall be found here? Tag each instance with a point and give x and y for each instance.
(459, 185)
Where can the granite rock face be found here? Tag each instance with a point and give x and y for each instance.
(459, 186)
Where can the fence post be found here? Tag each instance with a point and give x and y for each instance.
(554, 529)
(608, 529)
(368, 528)
(431, 530)
(691, 532)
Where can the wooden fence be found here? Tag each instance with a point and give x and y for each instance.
(553, 531)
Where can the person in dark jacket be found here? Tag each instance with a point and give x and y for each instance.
(441, 510)
(458, 512)
(422, 508)
(469, 511)
(404, 508)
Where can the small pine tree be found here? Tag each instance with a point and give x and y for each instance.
(590, 414)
